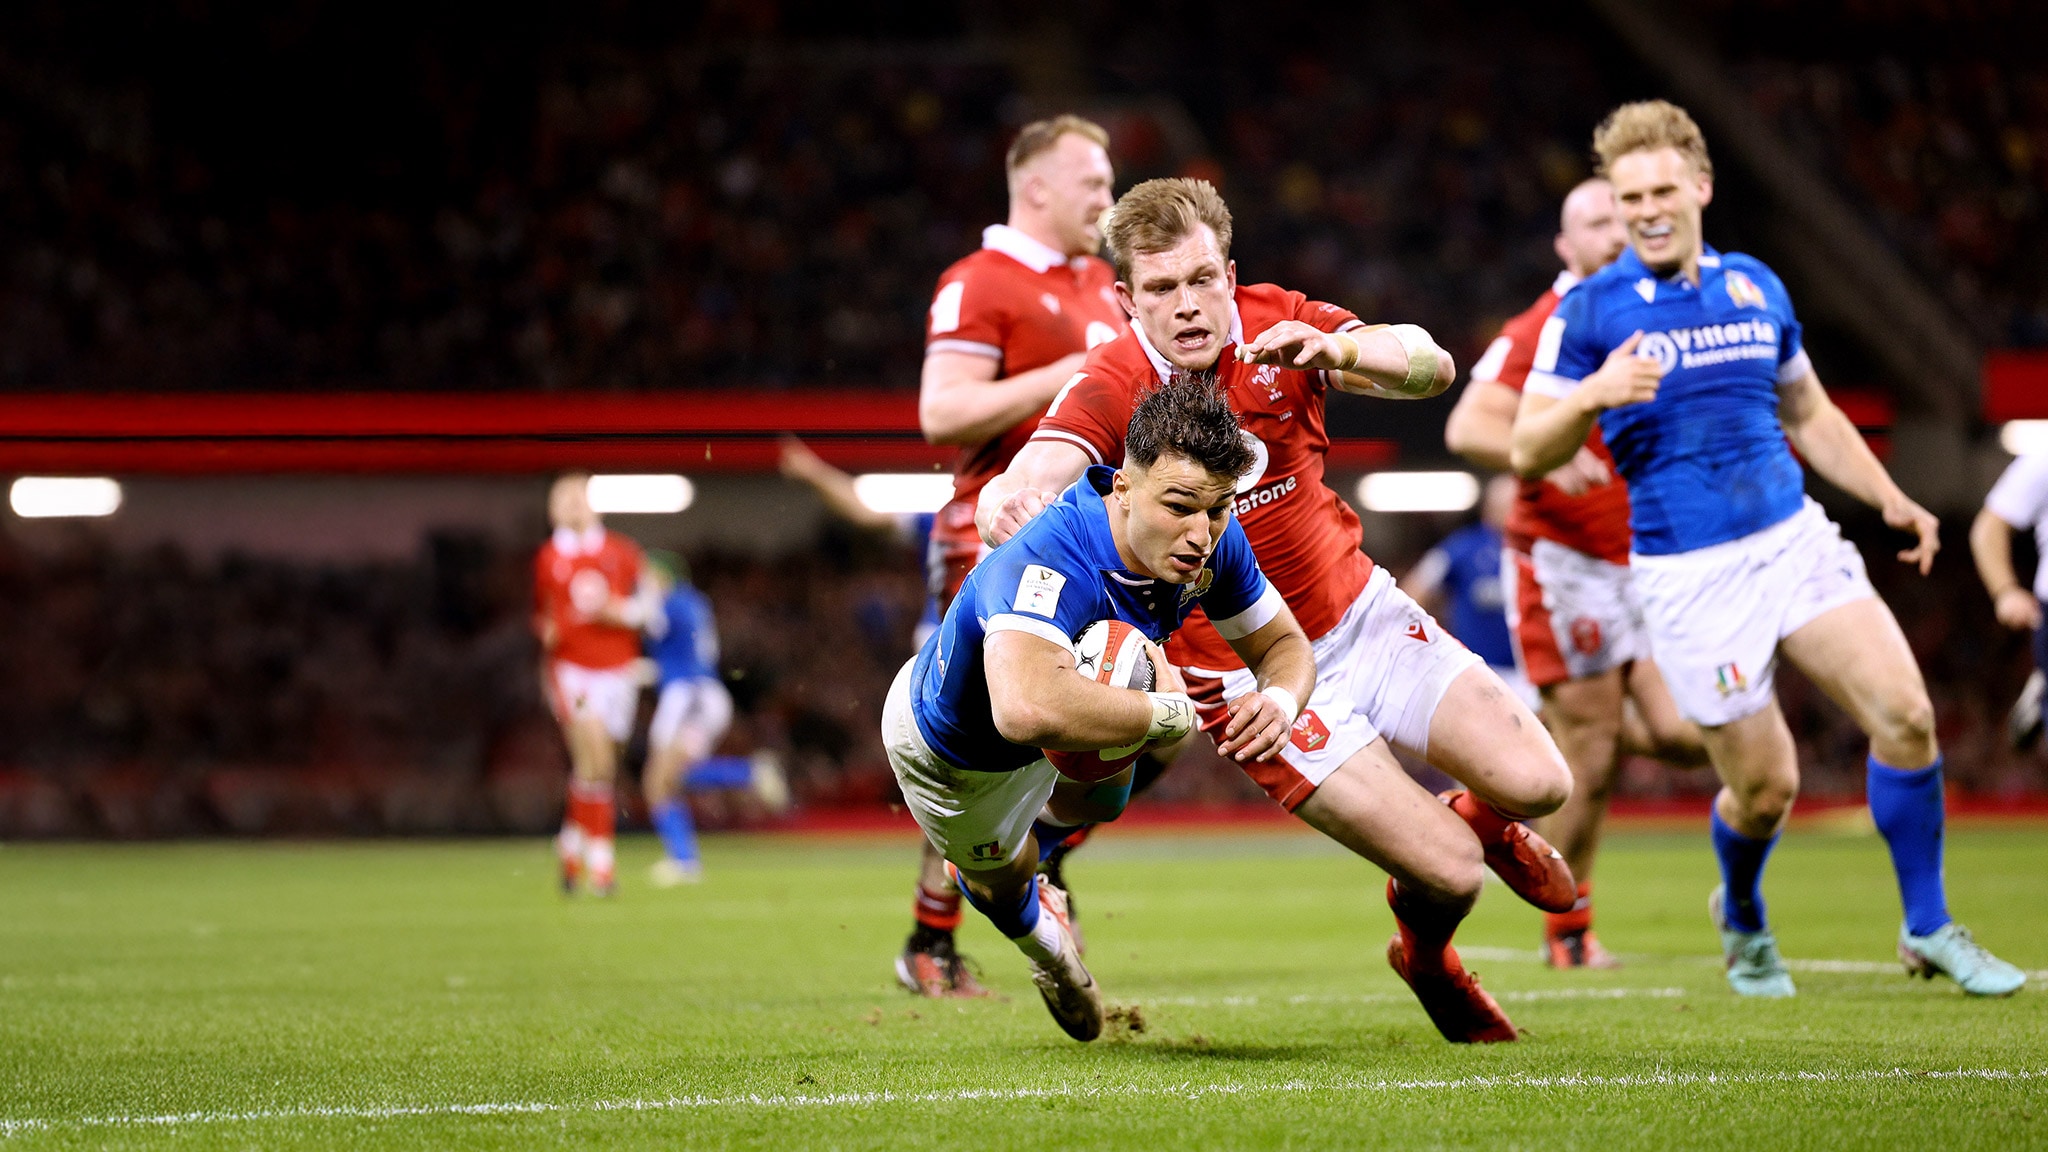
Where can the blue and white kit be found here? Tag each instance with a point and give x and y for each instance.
(974, 792)
(693, 705)
(1730, 555)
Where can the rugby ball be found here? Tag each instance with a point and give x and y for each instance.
(1108, 652)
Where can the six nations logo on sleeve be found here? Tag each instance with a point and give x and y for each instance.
(1038, 590)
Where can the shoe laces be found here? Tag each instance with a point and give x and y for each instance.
(1967, 946)
(1760, 952)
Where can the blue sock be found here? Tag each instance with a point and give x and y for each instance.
(1742, 870)
(1050, 835)
(1012, 922)
(678, 833)
(719, 772)
(1908, 811)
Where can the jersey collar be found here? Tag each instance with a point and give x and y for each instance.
(573, 544)
(1632, 264)
(1564, 283)
(1165, 367)
(1040, 258)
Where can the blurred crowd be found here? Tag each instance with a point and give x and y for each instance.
(153, 694)
(1932, 119)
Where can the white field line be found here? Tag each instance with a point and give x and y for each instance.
(1405, 998)
(1569, 1081)
(1852, 967)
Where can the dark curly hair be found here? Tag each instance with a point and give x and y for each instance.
(1188, 416)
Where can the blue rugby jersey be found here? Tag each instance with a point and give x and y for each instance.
(1055, 577)
(1706, 461)
(1475, 607)
(687, 646)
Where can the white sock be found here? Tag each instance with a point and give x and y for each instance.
(598, 856)
(1043, 942)
(569, 842)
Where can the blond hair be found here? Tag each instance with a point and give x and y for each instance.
(1158, 214)
(1646, 126)
(1041, 136)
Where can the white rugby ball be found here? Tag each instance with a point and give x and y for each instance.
(1108, 652)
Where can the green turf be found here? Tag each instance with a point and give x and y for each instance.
(278, 981)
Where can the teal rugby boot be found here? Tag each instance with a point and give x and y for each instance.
(1754, 966)
(1950, 951)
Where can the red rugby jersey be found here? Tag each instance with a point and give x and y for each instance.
(1023, 305)
(1305, 537)
(1594, 522)
(576, 576)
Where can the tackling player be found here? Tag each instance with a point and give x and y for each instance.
(1008, 324)
(2019, 500)
(589, 604)
(1386, 671)
(965, 721)
(1578, 632)
(691, 714)
(1692, 364)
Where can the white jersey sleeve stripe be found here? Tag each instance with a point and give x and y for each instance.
(1487, 367)
(1548, 342)
(1252, 619)
(1043, 629)
(1069, 437)
(1794, 370)
(970, 347)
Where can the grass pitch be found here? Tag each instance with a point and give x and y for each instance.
(442, 995)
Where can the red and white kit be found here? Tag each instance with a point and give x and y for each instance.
(1023, 305)
(1382, 664)
(1571, 609)
(590, 670)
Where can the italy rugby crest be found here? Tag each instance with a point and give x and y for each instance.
(1744, 292)
(1190, 591)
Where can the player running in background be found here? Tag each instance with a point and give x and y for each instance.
(1692, 364)
(1459, 583)
(966, 719)
(2019, 500)
(1008, 325)
(1578, 632)
(691, 714)
(1386, 671)
(590, 602)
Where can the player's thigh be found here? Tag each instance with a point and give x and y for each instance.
(1330, 730)
(1759, 764)
(981, 821)
(1668, 729)
(1373, 807)
(1485, 737)
(1857, 655)
(1587, 703)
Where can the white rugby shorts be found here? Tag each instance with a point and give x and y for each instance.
(695, 712)
(611, 695)
(1716, 614)
(978, 820)
(1380, 672)
(1570, 615)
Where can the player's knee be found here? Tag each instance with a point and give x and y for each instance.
(1456, 875)
(1907, 721)
(1767, 801)
(1546, 782)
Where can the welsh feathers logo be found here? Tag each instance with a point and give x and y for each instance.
(1744, 292)
(1586, 635)
(1309, 734)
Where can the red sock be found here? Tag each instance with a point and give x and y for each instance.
(1426, 930)
(1486, 821)
(1579, 919)
(593, 808)
(938, 910)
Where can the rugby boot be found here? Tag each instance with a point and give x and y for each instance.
(1457, 1005)
(1070, 993)
(2023, 725)
(767, 781)
(1579, 949)
(930, 966)
(1754, 966)
(1950, 951)
(1524, 861)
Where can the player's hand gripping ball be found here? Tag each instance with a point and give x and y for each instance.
(1108, 652)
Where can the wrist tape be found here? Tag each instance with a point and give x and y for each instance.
(1285, 699)
(1173, 716)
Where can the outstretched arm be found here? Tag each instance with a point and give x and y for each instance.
(960, 401)
(1831, 444)
(1279, 655)
(1037, 698)
(1397, 362)
(1040, 471)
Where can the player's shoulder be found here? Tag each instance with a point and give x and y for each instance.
(1120, 362)
(1260, 306)
(982, 264)
(1093, 272)
(1741, 265)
